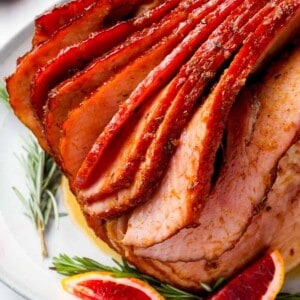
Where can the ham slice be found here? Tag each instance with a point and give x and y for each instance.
(72, 92)
(19, 84)
(267, 229)
(260, 130)
(81, 54)
(210, 59)
(139, 79)
(156, 79)
(184, 190)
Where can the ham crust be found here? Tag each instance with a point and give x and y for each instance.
(19, 84)
(156, 79)
(135, 83)
(204, 62)
(137, 141)
(79, 55)
(71, 93)
(53, 20)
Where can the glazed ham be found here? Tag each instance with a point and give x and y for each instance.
(115, 91)
(71, 92)
(177, 124)
(268, 228)
(20, 83)
(260, 130)
(156, 79)
(198, 144)
(165, 111)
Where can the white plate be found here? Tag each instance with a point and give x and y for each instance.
(21, 266)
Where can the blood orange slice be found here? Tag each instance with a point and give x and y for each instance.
(262, 280)
(102, 285)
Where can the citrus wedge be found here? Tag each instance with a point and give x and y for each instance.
(102, 285)
(262, 280)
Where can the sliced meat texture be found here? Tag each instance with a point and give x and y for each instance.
(288, 244)
(268, 228)
(61, 15)
(165, 139)
(184, 191)
(138, 81)
(72, 92)
(19, 84)
(156, 79)
(174, 120)
(79, 55)
(121, 172)
(177, 165)
(261, 127)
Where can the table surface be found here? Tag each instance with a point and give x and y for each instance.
(14, 15)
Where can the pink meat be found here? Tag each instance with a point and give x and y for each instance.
(261, 128)
(184, 190)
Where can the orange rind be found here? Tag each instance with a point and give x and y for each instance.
(263, 280)
(103, 285)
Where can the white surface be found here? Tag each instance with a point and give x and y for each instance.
(21, 266)
(14, 15)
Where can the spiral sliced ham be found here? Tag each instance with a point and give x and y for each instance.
(185, 191)
(20, 83)
(267, 229)
(157, 78)
(184, 99)
(176, 165)
(77, 56)
(70, 93)
(161, 103)
(77, 139)
(260, 131)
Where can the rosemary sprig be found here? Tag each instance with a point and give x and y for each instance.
(217, 284)
(43, 178)
(3, 94)
(68, 266)
(287, 296)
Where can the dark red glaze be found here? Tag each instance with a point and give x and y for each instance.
(59, 16)
(206, 61)
(137, 70)
(76, 57)
(156, 79)
(20, 83)
(199, 72)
